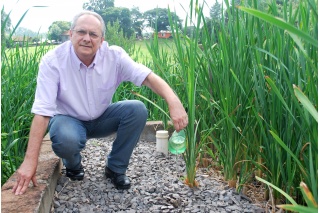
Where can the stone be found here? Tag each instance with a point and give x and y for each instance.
(156, 186)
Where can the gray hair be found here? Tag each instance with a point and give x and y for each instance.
(87, 12)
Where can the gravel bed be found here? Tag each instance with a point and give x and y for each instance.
(157, 186)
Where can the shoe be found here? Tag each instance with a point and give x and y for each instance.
(75, 174)
(121, 181)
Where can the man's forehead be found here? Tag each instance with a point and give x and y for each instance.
(88, 18)
(88, 21)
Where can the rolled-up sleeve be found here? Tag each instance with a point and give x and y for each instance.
(131, 70)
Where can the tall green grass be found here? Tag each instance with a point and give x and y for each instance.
(19, 69)
(18, 80)
(238, 86)
(271, 55)
(288, 58)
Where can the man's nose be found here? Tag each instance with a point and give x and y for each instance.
(87, 37)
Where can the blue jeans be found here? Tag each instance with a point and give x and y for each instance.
(69, 135)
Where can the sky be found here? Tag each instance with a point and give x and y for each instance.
(38, 19)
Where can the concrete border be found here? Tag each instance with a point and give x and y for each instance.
(39, 199)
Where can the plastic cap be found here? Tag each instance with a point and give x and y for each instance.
(161, 133)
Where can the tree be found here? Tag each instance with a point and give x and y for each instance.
(137, 20)
(123, 15)
(5, 21)
(5, 27)
(213, 23)
(21, 31)
(98, 5)
(216, 11)
(126, 22)
(190, 31)
(57, 28)
(115, 36)
(158, 18)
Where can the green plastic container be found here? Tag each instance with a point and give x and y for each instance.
(177, 143)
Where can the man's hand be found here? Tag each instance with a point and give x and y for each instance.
(27, 170)
(178, 115)
(25, 173)
(177, 112)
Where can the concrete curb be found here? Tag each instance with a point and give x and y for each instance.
(39, 199)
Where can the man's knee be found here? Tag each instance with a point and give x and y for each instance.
(67, 144)
(139, 109)
(66, 138)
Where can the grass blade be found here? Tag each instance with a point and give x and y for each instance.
(291, 200)
(281, 24)
(305, 102)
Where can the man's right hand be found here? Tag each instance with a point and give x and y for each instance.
(25, 173)
(27, 170)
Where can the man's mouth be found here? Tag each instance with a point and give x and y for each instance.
(86, 46)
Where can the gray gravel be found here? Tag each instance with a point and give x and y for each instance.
(157, 186)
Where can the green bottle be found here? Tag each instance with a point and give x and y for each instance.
(176, 143)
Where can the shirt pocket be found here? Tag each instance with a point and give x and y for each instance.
(105, 95)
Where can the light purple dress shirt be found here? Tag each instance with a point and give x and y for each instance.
(66, 86)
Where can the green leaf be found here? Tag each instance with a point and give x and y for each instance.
(299, 208)
(307, 195)
(298, 42)
(158, 107)
(306, 102)
(281, 24)
(283, 145)
(278, 189)
(277, 92)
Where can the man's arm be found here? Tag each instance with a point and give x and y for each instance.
(177, 112)
(28, 168)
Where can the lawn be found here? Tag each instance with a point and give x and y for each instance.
(144, 55)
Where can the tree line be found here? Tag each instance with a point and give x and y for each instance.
(131, 22)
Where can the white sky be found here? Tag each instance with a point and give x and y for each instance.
(39, 19)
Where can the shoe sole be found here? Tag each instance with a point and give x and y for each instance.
(78, 179)
(122, 187)
(108, 175)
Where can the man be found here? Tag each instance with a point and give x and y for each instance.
(75, 85)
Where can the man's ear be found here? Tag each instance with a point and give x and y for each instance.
(102, 39)
(70, 33)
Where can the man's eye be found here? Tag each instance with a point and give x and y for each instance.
(93, 35)
(82, 32)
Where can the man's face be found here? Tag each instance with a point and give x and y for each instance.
(86, 38)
